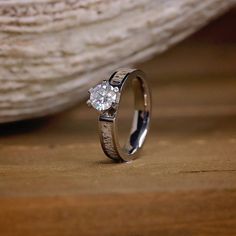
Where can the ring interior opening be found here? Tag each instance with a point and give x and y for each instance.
(140, 116)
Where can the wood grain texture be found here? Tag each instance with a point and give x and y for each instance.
(180, 213)
(52, 51)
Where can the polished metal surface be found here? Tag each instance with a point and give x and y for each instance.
(141, 118)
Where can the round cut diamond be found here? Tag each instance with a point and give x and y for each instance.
(102, 96)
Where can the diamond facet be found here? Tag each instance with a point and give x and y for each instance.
(103, 96)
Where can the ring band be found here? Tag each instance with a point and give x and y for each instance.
(105, 97)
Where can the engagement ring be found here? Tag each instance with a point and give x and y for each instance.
(105, 98)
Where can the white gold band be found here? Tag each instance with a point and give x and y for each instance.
(141, 119)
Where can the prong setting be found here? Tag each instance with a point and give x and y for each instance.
(116, 89)
(117, 97)
(89, 103)
(103, 96)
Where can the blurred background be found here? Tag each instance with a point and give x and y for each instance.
(189, 155)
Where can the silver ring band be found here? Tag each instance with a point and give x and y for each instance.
(141, 119)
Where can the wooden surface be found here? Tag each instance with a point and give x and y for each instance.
(52, 51)
(55, 180)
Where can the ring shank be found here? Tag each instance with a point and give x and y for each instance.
(141, 119)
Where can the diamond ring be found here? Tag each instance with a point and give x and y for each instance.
(105, 98)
